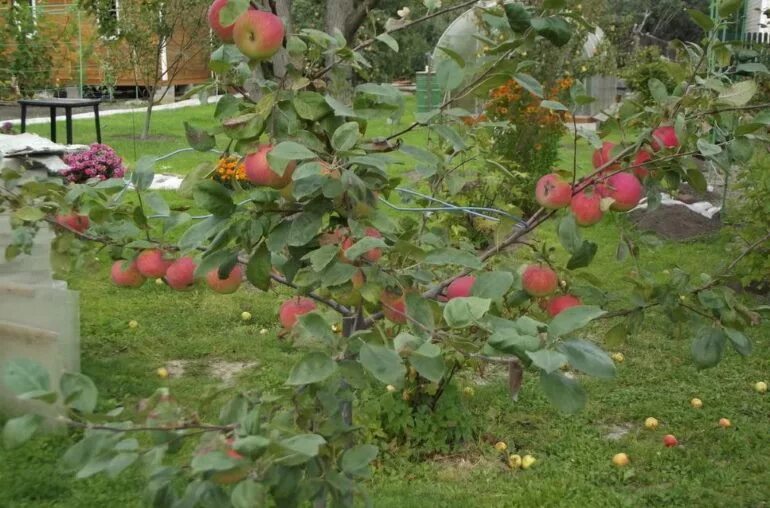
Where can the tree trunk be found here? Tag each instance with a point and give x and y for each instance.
(281, 59)
(148, 113)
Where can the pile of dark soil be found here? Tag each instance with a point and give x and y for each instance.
(675, 222)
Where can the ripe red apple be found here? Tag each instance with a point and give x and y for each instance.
(560, 303)
(670, 441)
(460, 287)
(258, 170)
(152, 263)
(724, 423)
(553, 192)
(181, 274)
(73, 221)
(225, 33)
(227, 285)
(538, 280)
(625, 189)
(126, 275)
(292, 309)
(603, 155)
(258, 34)
(394, 307)
(664, 137)
(586, 207)
(640, 171)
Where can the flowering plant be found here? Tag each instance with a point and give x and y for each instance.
(230, 169)
(6, 128)
(99, 161)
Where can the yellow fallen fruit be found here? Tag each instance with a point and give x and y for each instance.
(514, 461)
(527, 461)
(263, 331)
(162, 372)
(760, 387)
(651, 423)
(618, 357)
(133, 324)
(245, 316)
(390, 388)
(696, 403)
(469, 391)
(620, 459)
(500, 446)
(159, 282)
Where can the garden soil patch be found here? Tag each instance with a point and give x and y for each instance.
(675, 222)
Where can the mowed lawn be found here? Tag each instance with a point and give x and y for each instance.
(711, 467)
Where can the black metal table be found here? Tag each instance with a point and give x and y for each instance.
(68, 105)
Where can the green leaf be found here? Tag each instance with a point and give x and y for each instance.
(702, 20)
(79, 391)
(389, 41)
(311, 106)
(563, 392)
(739, 341)
(288, 151)
(232, 11)
(156, 203)
(752, 67)
(18, 431)
(529, 83)
(313, 368)
(201, 172)
(346, 136)
(421, 320)
(224, 57)
(382, 363)
(739, 94)
(589, 358)
(573, 319)
(553, 105)
(554, 28)
(313, 328)
(143, 173)
(248, 494)
(451, 256)
(548, 360)
(22, 376)
(357, 459)
(29, 214)
(707, 347)
(658, 90)
(708, 149)
(306, 446)
(569, 234)
(303, 228)
(120, 462)
(518, 17)
(363, 246)
(214, 197)
(199, 139)
(217, 460)
(697, 180)
(321, 257)
(251, 446)
(728, 7)
(258, 268)
(492, 285)
(464, 312)
(429, 362)
(449, 74)
(583, 256)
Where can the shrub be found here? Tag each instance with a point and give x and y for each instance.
(647, 63)
(99, 161)
(752, 219)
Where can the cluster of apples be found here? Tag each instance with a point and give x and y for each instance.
(179, 273)
(257, 34)
(623, 188)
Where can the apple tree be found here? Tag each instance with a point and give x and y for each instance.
(417, 304)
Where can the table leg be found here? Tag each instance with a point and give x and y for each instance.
(68, 113)
(98, 126)
(23, 118)
(53, 123)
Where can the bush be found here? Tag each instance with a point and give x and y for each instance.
(99, 161)
(752, 219)
(647, 63)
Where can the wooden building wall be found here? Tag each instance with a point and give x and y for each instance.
(74, 32)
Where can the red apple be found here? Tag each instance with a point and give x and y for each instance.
(664, 137)
(73, 221)
(372, 255)
(258, 170)
(460, 287)
(640, 171)
(603, 155)
(586, 207)
(152, 263)
(625, 189)
(258, 34)
(225, 33)
(227, 285)
(292, 309)
(670, 441)
(394, 307)
(538, 280)
(560, 303)
(126, 275)
(181, 274)
(553, 192)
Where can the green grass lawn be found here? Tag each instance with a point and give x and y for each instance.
(711, 467)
